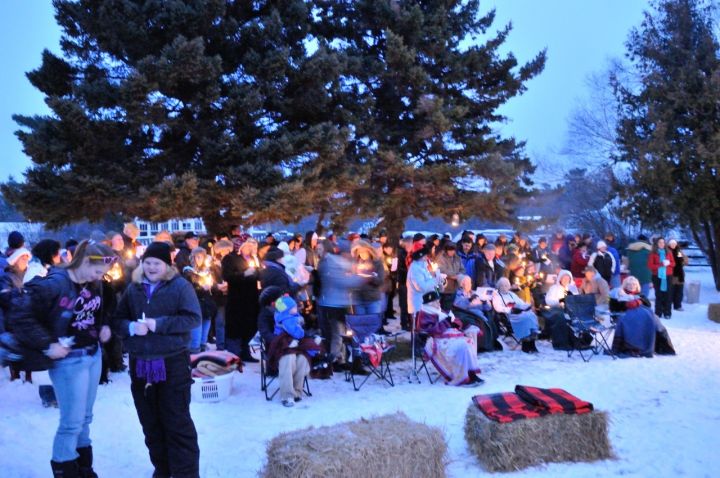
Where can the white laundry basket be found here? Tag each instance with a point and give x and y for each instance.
(215, 389)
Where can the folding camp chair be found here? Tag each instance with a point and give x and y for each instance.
(419, 337)
(366, 349)
(266, 378)
(589, 335)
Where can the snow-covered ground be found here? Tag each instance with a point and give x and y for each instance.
(664, 411)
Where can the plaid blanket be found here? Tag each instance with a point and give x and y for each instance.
(529, 402)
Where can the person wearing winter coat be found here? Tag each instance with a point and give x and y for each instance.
(449, 264)
(543, 258)
(593, 283)
(368, 299)
(467, 255)
(638, 332)
(290, 351)
(155, 317)
(488, 268)
(580, 260)
(337, 283)
(638, 253)
(241, 271)
(603, 261)
(11, 284)
(182, 258)
(566, 252)
(615, 278)
(421, 280)
(402, 272)
(662, 265)
(523, 320)
(563, 286)
(46, 255)
(219, 290)
(678, 276)
(390, 264)
(62, 316)
(199, 274)
(274, 272)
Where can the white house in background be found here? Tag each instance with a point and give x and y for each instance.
(149, 229)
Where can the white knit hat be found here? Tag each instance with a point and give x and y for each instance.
(15, 256)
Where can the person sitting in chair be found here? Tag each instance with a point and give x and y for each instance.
(522, 319)
(639, 332)
(563, 286)
(593, 283)
(451, 350)
(289, 350)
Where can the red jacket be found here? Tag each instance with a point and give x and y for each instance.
(579, 262)
(654, 263)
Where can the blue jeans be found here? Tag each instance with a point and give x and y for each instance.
(199, 336)
(368, 308)
(75, 380)
(645, 289)
(220, 328)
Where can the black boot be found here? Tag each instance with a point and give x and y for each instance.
(525, 345)
(85, 462)
(65, 469)
(532, 347)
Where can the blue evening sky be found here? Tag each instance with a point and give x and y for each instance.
(580, 35)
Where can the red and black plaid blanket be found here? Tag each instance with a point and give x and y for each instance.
(529, 402)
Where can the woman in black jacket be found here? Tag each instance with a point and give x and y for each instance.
(62, 315)
(678, 276)
(240, 271)
(155, 316)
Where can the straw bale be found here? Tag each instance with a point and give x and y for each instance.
(530, 442)
(390, 445)
(714, 312)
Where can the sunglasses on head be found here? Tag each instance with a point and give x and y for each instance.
(104, 259)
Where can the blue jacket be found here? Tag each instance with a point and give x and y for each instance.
(336, 281)
(616, 255)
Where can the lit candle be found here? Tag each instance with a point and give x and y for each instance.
(115, 272)
(129, 254)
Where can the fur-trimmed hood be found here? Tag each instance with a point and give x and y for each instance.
(137, 274)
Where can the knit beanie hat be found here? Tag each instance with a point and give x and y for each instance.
(285, 307)
(158, 250)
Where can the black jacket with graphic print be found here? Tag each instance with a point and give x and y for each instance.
(54, 306)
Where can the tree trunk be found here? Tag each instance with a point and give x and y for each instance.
(705, 239)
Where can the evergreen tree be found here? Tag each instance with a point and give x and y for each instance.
(669, 129)
(244, 112)
(427, 92)
(178, 108)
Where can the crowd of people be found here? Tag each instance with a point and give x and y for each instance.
(76, 308)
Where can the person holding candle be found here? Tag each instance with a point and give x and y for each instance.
(678, 275)
(199, 274)
(542, 256)
(61, 315)
(367, 299)
(662, 265)
(241, 271)
(603, 261)
(155, 316)
(219, 290)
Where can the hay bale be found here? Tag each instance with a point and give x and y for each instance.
(390, 445)
(530, 442)
(714, 312)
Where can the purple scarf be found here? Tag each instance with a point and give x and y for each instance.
(153, 371)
